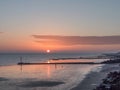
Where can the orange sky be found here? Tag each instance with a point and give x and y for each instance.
(59, 25)
(55, 43)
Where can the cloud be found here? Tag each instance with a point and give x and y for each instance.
(1, 32)
(77, 40)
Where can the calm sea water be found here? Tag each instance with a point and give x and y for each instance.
(10, 59)
(40, 77)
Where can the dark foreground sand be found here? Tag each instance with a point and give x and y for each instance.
(40, 84)
(3, 79)
(93, 79)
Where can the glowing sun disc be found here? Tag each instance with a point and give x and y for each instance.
(48, 51)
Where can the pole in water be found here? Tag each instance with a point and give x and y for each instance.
(20, 59)
(21, 63)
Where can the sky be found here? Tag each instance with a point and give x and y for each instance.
(59, 25)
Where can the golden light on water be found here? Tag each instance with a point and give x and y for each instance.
(48, 61)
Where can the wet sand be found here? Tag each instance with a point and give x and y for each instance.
(3, 79)
(40, 84)
(32, 77)
(93, 79)
(42, 77)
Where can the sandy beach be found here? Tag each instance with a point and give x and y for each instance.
(93, 79)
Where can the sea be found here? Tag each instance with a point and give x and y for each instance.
(42, 77)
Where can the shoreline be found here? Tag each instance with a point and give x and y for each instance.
(94, 78)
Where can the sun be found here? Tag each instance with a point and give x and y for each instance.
(48, 51)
